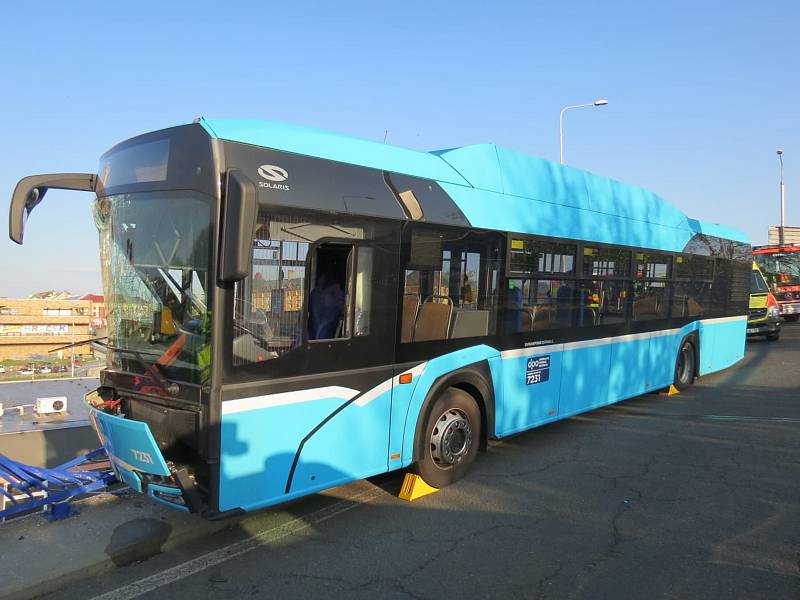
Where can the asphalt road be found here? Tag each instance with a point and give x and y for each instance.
(689, 496)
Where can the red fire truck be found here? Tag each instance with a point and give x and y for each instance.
(780, 264)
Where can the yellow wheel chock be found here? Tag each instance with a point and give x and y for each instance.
(670, 391)
(415, 487)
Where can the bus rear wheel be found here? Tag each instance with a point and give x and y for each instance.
(451, 438)
(685, 366)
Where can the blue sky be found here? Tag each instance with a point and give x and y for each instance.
(701, 94)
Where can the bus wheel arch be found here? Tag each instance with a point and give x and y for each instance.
(688, 351)
(471, 383)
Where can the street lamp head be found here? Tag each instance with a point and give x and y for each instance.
(600, 102)
(780, 151)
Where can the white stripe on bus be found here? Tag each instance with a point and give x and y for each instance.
(384, 387)
(272, 400)
(551, 348)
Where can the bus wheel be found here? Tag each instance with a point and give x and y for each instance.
(684, 366)
(452, 437)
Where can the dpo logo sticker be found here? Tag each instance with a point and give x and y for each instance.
(538, 369)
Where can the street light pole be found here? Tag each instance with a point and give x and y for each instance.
(783, 201)
(561, 123)
(72, 359)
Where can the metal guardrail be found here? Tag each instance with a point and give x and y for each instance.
(26, 489)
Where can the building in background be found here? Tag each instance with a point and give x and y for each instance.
(35, 326)
(98, 311)
(791, 235)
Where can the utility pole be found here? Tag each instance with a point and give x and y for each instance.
(72, 361)
(783, 200)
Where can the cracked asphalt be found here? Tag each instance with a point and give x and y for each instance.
(688, 496)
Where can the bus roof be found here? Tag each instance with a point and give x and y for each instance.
(487, 167)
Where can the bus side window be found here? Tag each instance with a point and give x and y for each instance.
(450, 285)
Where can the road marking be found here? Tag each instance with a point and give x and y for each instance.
(221, 555)
(742, 418)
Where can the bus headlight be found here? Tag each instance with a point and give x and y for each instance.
(773, 311)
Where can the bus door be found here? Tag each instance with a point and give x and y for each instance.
(316, 345)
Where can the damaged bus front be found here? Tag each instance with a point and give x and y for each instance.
(157, 200)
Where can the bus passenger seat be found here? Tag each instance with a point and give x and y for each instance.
(544, 316)
(410, 310)
(694, 308)
(470, 323)
(433, 320)
(645, 308)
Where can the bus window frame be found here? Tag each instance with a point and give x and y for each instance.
(257, 374)
(350, 290)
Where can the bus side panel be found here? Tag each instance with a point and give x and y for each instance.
(414, 399)
(726, 339)
(663, 352)
(352, 445)
(527, 401)
(630, 363)
(257, 448)
(707, 335)
(584, 377)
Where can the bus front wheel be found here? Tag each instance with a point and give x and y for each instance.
(685, 366)
(451, 436)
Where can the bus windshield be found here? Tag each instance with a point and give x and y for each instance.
(155, 256)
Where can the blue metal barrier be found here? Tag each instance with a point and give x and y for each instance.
(29, 488)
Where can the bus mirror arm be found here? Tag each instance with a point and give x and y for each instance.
(239, 213)
(31, 190)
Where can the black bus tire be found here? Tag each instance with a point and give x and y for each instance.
(451, 438)
(685, 365)
(773, 337)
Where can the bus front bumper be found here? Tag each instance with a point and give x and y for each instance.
(137, 461)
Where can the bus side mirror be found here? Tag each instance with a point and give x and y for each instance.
(239, 213)
(30, 191)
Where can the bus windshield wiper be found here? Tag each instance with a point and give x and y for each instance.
(170, 387)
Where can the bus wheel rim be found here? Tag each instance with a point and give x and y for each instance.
(451, 438)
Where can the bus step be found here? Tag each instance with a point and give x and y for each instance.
(415, 487)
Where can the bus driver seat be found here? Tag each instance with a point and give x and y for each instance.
(325, 309)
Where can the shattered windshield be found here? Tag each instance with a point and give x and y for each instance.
(155, 255)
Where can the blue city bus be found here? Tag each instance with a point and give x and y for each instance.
(291, 309)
